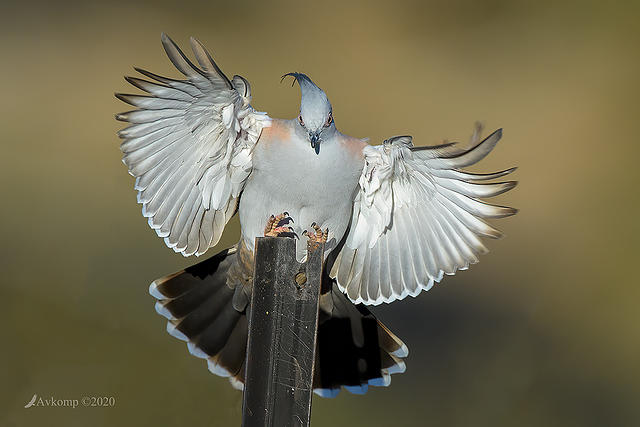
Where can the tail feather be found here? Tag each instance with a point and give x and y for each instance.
(179, 283)
(215, 336)
(188, 303)
(198, 303)
(390, 342)
(354, 350)
(205, 315)
(233, 354)
(206, 307)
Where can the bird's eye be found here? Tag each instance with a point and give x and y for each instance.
(300, 120)
(329, 120)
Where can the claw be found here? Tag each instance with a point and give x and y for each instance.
(276, 226)
(284, 221)
(290, 233)
(317, 236)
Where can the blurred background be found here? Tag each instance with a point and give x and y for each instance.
(544, 331)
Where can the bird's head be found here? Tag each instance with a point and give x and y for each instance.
(316, 116)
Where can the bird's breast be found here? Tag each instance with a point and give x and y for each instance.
(288, 176)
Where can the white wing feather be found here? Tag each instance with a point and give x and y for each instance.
(190, 146)
(416, 218)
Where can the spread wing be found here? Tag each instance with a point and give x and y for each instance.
(417, 216)
(189, 146)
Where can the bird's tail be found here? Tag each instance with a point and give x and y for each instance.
(206, 306)
(199, 307)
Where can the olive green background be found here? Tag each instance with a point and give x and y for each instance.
(544, 331)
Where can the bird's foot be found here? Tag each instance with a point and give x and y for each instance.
(277, 226)
(316, 237)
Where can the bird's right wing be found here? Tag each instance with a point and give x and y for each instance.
(190, 146)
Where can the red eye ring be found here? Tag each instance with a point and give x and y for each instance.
(329, 120)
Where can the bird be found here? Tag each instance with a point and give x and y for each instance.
(394, 217)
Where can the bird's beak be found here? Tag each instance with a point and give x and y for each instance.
(315, 141)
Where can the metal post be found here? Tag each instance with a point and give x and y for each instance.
(283, 321)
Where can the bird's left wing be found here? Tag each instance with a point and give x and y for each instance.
(416, 217)
(190, 146)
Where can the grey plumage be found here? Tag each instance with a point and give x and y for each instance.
(399, 217)
(316, 116)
